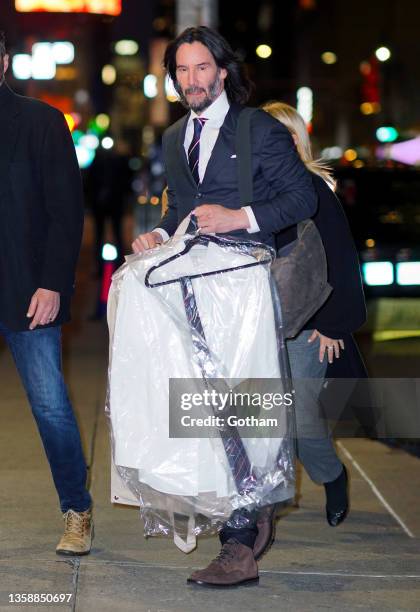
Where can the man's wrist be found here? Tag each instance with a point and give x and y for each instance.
(242, 219)
(160, 235)
(253, 226)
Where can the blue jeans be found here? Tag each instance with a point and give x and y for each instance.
(37, 355)
(315, 449)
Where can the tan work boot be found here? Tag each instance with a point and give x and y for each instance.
(78, 533)
(234, 565)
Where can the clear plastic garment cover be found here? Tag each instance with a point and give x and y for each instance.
(202, 309)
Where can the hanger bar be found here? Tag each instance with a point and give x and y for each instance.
(205, 239)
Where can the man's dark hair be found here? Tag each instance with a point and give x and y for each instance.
(237, 84)
(2, 44)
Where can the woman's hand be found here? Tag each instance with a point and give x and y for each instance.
(327, 344)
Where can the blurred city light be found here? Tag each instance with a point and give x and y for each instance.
(22, 66)
(109, 74)
(350, 154)
(150, 86)
(90, 141)
(386, 134)
(82, 96)
(358, 163)
(171, 93)
(377, 273)
(107, 142)
(408, 273)
(109, 252)
(76, 134)
(84, 155)
(407, 152)
(370, 243)
(126, 47)
(305, 103)
(370, 108)
(66, 73)
(365, 68)
(77, 118)
(332, 152)
(263, 51)
(102, 121)
(43, 63)
(63, 52)
(383, 54)
(104, 7)
(70, 121)
(328, 57)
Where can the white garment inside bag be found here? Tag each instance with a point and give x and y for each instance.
(151, 343)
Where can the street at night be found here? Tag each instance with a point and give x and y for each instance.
(169, 246)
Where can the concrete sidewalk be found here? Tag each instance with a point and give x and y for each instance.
(370, 562)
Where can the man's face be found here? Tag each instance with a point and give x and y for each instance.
(199, 80)
(4, 64)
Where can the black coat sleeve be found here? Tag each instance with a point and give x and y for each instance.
(294, 198)
(63, 201)
(345, 310)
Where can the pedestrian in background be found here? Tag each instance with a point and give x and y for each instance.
(327, 337)
(41, 223)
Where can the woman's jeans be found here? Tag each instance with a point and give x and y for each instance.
(315, 449)
(37, 355)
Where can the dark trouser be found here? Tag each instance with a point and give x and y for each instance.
(37, 355)
(241, 525)
(315, 448)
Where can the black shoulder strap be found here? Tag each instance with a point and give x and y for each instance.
(244, 155)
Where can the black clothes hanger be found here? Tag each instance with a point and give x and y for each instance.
(205, 239)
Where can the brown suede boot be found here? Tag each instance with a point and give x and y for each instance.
(266, 524)
(234, 565)
(78, 533)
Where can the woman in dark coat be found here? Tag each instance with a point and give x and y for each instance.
(325, 347)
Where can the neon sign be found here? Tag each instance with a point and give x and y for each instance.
(102, 7)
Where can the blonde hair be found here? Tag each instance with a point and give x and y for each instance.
(297, 127)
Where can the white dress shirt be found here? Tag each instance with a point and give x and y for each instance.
(215, 115)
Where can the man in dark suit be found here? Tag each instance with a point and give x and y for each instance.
(201, 170)
(41, 222)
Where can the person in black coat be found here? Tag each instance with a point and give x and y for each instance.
(326, 338)
(41, 222)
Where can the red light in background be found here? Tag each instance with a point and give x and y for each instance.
(102, 7)
(63, 103)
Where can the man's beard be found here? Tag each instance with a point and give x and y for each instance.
(214, 90)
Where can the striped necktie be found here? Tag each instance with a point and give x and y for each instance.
(239, 463)
(194, 148)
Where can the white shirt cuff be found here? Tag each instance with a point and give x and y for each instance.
(163, 233)
(254, 227)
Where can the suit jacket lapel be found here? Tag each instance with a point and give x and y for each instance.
(224, 146)
(181, 158)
